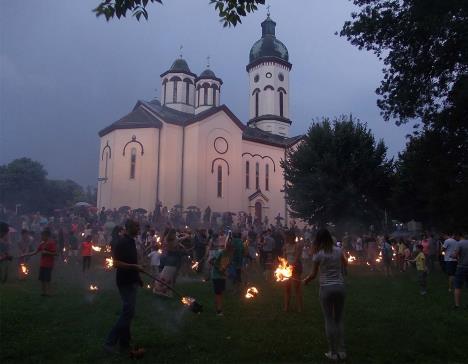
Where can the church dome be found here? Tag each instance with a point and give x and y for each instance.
(207, 74)
(180, 65)
(268, 45)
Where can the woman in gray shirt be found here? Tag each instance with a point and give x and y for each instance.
(328, 262)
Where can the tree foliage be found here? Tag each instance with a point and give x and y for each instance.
(424, 45)
(432, 180)
(230, 11)
(338, 174)
(24, 182)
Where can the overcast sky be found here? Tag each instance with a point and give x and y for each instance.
(65, 74)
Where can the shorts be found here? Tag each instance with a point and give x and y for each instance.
(461, 277)
(45, 274)
(450, 267)
(219, 286)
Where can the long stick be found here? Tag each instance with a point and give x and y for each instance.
(163, 283)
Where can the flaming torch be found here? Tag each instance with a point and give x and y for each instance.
(252, 292)
(195, 265)
(351, 258)
(24, 269)
(284, 271)
(109, 263)
(93, 288)
(96, 248)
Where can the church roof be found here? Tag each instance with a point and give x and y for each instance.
(148, 114)
(259, 136)
(138, 118)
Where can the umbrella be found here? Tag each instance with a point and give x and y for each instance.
(140, 211)
(192, 207)
(82, 204)
(124, 208)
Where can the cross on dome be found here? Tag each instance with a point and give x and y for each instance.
(208, 62)
(180, 50)
(268, 10)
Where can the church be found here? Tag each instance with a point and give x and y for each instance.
(188, 149)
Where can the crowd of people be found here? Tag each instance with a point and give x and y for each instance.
(224, 250)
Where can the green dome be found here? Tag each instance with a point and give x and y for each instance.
(207, 74)
(268, 45)
(180, 65)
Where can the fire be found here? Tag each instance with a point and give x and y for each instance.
(187, 301)
(24, 269)
(65, 260)
(251, 292)
(160, 251)
(108, 249)
(158, 239)
(351, 258)
(148, 286)
(284, 270)
(96, 248)
(297, 239)
(378, 260)
(367, 263)
(109, 263)
(195, 265)
(92, 287)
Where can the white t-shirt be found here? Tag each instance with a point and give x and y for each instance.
(155, 258)
(330, 267)
(450, 246)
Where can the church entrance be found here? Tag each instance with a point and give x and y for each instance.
(258, 211)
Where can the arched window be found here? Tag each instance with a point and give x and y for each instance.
(256, 104)
(220, 181)
(257, 176)
(281, 104)
(205, 94)
(267, 177)
(174, 92)
(214, 97)
(133, 155)
(187, 93)
(247, 175)
(164, 90)
(105, 167)
(198, 95)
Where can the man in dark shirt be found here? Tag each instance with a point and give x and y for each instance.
(127, 279)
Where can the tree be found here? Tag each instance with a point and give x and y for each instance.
(339, 174)
(230, 11)
(432, 175)
(24, 182)
(424, 45)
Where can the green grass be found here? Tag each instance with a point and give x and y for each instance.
(386, 321)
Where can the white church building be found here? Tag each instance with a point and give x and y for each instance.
(188, 149)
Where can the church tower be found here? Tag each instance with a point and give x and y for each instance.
(208, 91)
(268, 71)
(178, 87)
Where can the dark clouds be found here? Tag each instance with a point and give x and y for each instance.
(64, 74)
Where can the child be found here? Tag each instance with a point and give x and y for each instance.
(155, 260)
(220, 263)
(407, 256)
(86, 249)
(48, 249)
(421, 269)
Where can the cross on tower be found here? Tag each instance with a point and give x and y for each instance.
(180, 49)
(208, 62)
(268, 10)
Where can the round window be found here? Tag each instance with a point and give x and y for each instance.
(281, 77)
(256, 78)
(221, 145)
(268, 75)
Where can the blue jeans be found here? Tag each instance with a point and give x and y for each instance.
(120, 333)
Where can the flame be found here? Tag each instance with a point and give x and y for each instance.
(24, 269)
(251, 292)
(367, 263)
(96, 248)
(92, 287)
(195, 265)
(109, 263)
(378, 260)
(158, 239)
(187, 301)
(160, 251)
(65, 260)
(64, 249)
(82, 234)
(297, 239)
(284, 270)
(351, 258)
(256, 254)
(108, 249)
(148, 286)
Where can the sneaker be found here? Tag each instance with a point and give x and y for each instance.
(331, 356)
(219, 313)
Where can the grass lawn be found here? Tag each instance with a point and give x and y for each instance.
(386, 321)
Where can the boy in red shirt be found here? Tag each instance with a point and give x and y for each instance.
(48, 250)
(86, 248)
